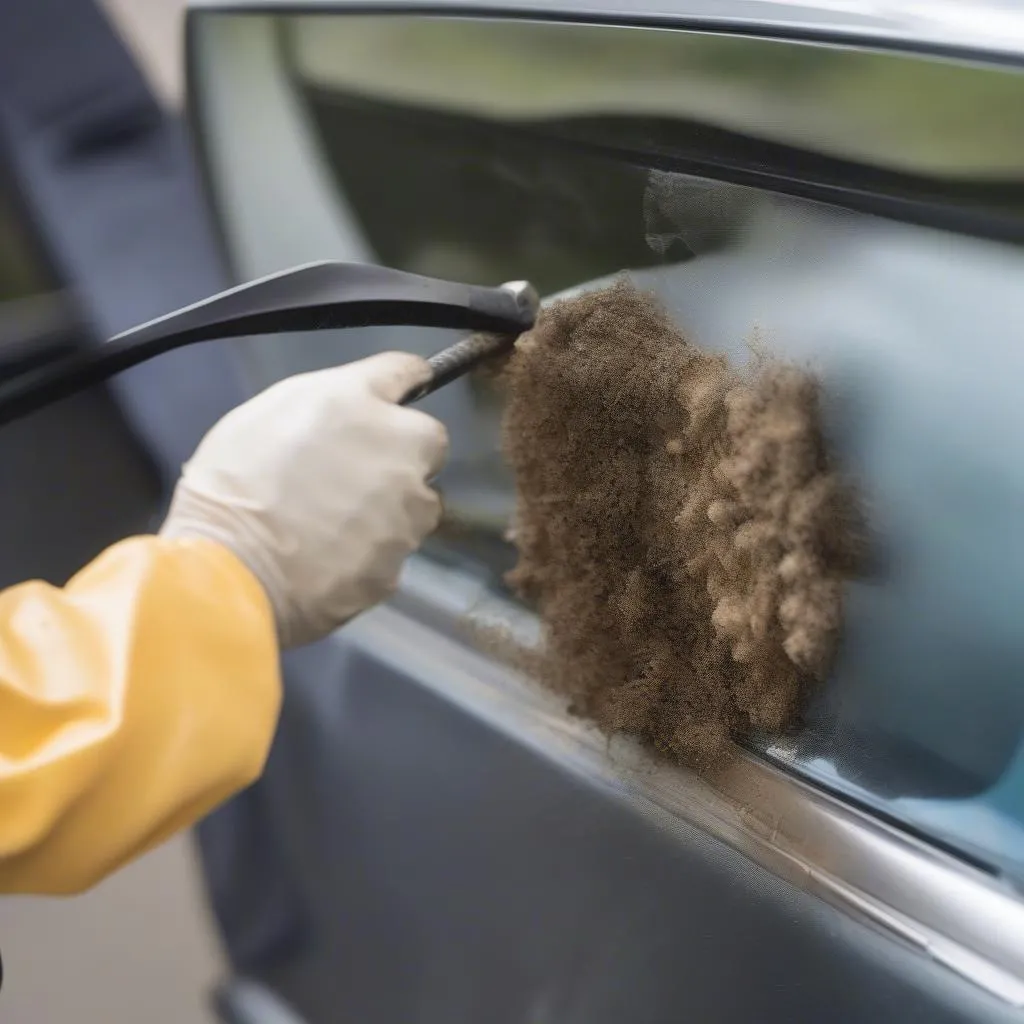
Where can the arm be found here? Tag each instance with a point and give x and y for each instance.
(132, 702)
(146, 691)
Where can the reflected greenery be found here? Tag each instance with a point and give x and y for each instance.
(896, 111)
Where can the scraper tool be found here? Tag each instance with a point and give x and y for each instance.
(313, 297)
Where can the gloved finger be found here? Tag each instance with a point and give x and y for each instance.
(422, 509)
(429, 511)
(427, 441)
(392, 375)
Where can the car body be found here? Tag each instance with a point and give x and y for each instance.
(840, 178)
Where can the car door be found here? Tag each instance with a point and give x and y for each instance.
(844, 188)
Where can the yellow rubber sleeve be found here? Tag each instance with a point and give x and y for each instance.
(132, 702)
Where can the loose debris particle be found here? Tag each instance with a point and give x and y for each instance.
(680, 529)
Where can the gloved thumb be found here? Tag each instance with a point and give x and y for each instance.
(390, 376)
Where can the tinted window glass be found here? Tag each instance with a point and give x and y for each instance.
(891, 112)
(855, 210)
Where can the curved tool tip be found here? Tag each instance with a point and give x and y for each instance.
(527, 299)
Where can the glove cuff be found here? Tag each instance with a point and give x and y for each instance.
(192, 514)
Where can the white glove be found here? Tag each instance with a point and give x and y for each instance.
(319, 485)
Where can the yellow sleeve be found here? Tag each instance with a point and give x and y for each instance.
(132, 702)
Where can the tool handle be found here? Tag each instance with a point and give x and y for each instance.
(452, 362)
(317, 296)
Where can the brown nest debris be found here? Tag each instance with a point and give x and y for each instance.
(680, 527)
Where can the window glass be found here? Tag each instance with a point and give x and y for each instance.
(891, 111)
(489, 152)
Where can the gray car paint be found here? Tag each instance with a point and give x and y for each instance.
(453, 873)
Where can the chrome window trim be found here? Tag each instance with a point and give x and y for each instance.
(988, 31)
(951, 911)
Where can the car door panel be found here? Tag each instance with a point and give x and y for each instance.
(461, 848)
(460, 872)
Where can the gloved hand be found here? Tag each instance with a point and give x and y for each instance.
(319, 485)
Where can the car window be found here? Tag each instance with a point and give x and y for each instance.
(888, 111)
(848, 209)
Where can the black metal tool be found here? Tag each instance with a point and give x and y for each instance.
(317, 296)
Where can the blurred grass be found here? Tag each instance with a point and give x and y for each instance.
(902, 112)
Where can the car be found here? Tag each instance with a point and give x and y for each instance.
(435, 838)
(843, 180)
